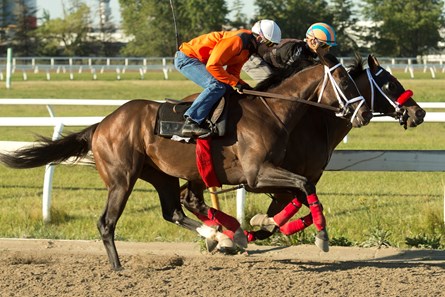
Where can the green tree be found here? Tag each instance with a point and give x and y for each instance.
(67, 36)
(150, 23)
(404, 28)
(345, 23)
(240, 19)
(16, 30)
(295, 17)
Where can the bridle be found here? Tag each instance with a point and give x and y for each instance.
(345, 103)
(400, 113)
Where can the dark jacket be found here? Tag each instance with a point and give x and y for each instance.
(288, 52)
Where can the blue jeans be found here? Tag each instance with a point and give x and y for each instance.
(196, 71)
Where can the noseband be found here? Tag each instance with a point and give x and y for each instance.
(345, 103)
(397, 104)
(399, 113)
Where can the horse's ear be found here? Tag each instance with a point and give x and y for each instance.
(373, 63)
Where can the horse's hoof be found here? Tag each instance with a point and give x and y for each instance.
(224, 241)
(227, 250)
(263, 221)
(322, 241)
(240, 238)
(211, 244)
(206, 231)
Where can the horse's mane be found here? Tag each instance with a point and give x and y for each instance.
(276, 77)
(357, 66)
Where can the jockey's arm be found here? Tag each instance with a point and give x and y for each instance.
(223, 54)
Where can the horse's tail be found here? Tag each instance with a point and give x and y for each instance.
(51, 151)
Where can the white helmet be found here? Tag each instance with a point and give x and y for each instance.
(267, 29)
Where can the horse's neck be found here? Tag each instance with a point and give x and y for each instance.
(335, 128)
(364, 86)
(303, 85)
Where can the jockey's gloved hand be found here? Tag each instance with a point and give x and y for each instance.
(241, 87)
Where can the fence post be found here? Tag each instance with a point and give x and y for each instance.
(165, 68)
(48, 180)
(240, 203)
(8, 67)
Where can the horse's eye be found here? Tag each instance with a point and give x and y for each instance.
(344, 83)
(390, 87)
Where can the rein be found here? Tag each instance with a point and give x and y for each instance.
(341, 98)
(263, 95)
(289, 98)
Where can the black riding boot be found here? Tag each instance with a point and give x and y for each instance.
(192, 128)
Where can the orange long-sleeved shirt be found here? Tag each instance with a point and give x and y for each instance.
(219, 49)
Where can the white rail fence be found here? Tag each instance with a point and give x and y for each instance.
(346, 160)
(96, 65)
(119, 65)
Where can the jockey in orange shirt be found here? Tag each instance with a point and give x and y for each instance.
(214, 62)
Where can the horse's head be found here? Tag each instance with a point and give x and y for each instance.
(344, 90)
(385, 94)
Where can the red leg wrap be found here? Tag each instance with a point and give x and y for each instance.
(288, 212)
(297, 225)
(206, 220)
(250, 236)
(229, 233)
(223, 219)
(316, 211)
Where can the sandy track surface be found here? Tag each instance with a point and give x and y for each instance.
(81, 268)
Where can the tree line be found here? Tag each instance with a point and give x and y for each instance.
(384, 27)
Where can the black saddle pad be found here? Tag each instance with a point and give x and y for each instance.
(170, 118)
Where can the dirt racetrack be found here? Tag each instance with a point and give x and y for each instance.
(80, 268)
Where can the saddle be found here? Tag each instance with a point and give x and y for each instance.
(170, 118)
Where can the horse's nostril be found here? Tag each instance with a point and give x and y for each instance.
(420, 113)
(367, 116)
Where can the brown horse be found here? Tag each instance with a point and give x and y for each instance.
(309, 151)
(125, 148)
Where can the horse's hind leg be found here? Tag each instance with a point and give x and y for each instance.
(119, 176)
(169, 191)
(169, 195)
(118, 193)
(192, 198)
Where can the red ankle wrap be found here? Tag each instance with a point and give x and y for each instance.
(316, 211)
(250, 236)
(223, 219)
(288, 212)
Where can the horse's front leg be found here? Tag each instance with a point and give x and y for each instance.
(281, 209)
(272, 177)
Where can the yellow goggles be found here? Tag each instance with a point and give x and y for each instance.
(267, 42)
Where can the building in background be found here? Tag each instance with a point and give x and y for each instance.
(10, 9)
(104, 13)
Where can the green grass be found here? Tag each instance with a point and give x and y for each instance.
(359, 206)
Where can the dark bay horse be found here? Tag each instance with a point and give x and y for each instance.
(383, 93)
(126, 148)
(308, 152)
